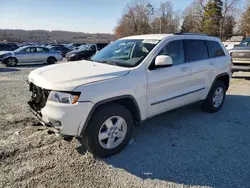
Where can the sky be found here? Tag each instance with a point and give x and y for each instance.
(90, 16)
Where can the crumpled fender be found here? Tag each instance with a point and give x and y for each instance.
(8, 55)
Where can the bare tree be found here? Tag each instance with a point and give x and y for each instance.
(135, 20)
(166, 20)
(193, 18)
(245, 20)
(228, 16)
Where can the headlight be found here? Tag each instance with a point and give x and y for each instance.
(63, 97)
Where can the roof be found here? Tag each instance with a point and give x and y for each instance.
(149, 36)
(162, 36)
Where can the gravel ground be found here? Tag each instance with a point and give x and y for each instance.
(182, 148)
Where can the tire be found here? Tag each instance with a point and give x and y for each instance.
(209, 104)
(11, 61)
(51, 60)
(97, 126)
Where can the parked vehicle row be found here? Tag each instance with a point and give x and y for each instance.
(100, 100)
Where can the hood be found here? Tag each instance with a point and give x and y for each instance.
(72, 52)
(239, 48)
(5, 52)
(68, 76)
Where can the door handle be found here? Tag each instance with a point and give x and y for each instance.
(211, 63)
(184, 69)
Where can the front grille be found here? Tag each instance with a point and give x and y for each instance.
(241, 64)
(38, 98)
(240, 54)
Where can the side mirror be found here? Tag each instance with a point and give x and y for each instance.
(163, 61)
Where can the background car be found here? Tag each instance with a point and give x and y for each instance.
(29, 54)
(62, 49)
(241, 56)
(85, 51)
(74, 45)
(6, 47)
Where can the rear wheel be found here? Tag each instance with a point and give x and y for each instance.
(11, 61)
(215, 98)
(109, 130)
(51, 60)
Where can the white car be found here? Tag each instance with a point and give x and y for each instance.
(100, 100)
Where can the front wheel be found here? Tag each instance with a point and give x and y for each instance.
(215, 98)
(10, 62)
(109, 130)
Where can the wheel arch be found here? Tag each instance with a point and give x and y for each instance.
(52, 57)
(224, 77)
(127, 101)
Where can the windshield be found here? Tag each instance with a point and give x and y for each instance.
(245, 42)
(127, 53)
(19, 49)
(83, 47)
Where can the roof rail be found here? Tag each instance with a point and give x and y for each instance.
(191, 34)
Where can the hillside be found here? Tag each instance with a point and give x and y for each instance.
(19, 35)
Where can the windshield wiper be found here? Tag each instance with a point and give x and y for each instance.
(108, 62)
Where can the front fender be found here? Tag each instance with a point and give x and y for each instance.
(8, 56)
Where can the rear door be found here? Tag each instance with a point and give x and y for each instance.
(169, 87)
(202, 67)
(41, 54)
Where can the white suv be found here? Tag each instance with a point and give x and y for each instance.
(132, 79)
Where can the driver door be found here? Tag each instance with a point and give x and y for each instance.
(26, 55)
(169, 87)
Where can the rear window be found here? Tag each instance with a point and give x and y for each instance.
(214, 49)
(196, 50)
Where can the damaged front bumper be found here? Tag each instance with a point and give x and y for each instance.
(38, 117)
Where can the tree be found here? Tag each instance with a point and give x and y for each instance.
(135, 21)
(166, 20)
(212, 18)
(228, 27)
(228, 22)
(245, 22)
(228, 15)
(192, 18)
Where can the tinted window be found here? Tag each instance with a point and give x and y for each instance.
(100, 46)
(26, 50)
(197, 50)
(92, 48)
(175, 50)
(214, 49)
(32, 50)
(42, 50)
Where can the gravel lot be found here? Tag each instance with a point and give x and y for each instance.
(182, 148)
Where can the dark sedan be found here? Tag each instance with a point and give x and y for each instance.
(85, 51)
(60, 48)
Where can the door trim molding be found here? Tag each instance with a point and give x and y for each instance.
(177, 96)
